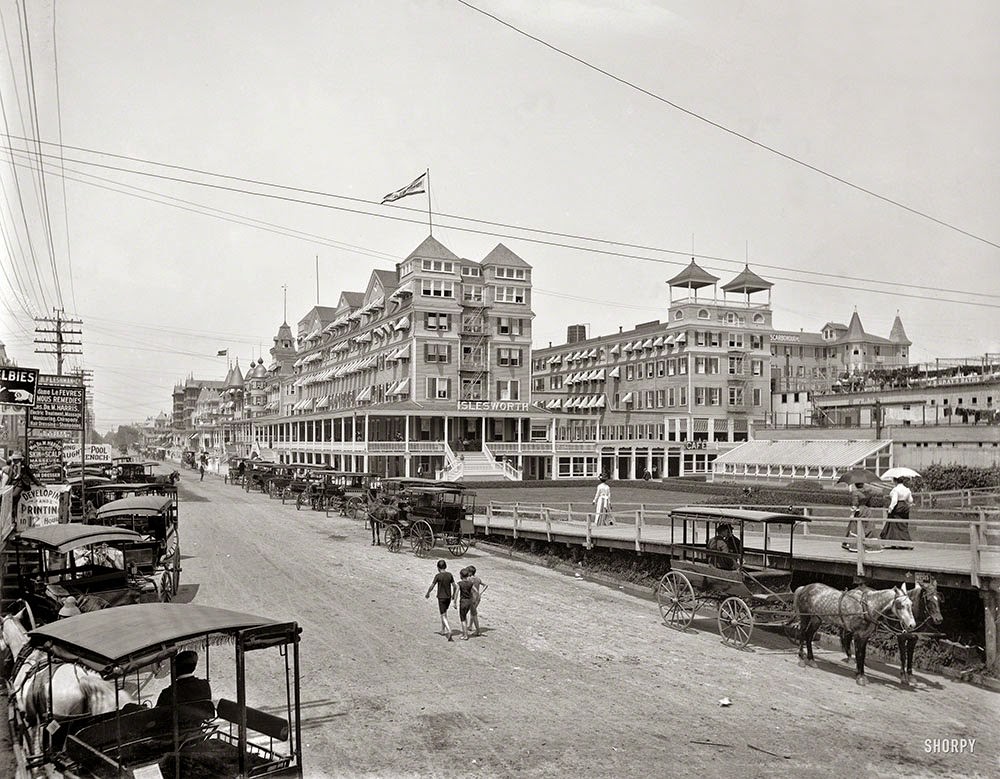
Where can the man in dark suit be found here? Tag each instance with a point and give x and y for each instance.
(193, 695)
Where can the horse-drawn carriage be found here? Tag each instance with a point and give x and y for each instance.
(154, 517)
(424, 513)
(136, 472)
(744, 568)
(98, 566)
(120, 667)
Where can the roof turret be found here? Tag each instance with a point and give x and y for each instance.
(693, 277)
(898, 334)
(747, 283)
(432, 249)
(855, 330)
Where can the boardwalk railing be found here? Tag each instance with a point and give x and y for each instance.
(975, 496)
(979, 535)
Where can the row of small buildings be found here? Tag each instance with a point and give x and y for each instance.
(431, 371)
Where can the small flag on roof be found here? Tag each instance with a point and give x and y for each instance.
(223, 353)
(415, 187)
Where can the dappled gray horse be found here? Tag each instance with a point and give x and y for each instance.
(858, 611)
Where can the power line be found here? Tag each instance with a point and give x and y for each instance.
(729, 130)
(69, 254)
(505, 225)
(284, 198)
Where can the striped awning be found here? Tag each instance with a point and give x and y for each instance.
(402, 324)
(364, 396)
(615, 373)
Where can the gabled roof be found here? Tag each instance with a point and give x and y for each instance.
(432, 249)
(501, 255)
(898, 334)
(747, 282)
(387, 278)
(855, 331)
(235, 378)
(835, 326)
(350, 300)
(693, 277)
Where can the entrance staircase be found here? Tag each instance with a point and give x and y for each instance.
(477, 466)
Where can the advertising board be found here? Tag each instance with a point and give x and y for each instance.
(46, 458)
(18, 386)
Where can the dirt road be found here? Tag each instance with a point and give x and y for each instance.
(571, 678)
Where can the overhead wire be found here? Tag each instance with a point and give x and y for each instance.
(505, 225)
(719, 126)
(69, 253)
(895, 292)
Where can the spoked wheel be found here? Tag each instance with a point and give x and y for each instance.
(271, 491)
(300, 500)
(421, 537)
(676, 598)
(735, 622)
(175, 572)
(393, 536)
(355, 509)
(458, 544)
(166, 587)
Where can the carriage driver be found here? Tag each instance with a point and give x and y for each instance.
(193, 695)
(724, 541)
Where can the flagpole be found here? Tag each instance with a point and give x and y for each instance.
(430, 222)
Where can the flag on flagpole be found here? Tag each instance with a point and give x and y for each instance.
(415, 187)
(223, 353)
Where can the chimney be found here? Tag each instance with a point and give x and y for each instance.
(575, 333)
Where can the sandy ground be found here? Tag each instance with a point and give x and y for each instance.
(571, 678)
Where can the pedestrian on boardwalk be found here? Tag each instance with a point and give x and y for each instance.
(900, 500)
(602, 502)
(478, 588)
(446, 592)
(861, 503)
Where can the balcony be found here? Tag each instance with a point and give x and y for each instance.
(473, 328)
(468, 364)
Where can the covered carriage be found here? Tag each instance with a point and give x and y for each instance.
(425, 514)
(736, 559)
(97, 566)
(248, 725)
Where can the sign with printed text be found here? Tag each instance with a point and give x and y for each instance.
(492, 405)
(18, 386)
(95, 453)
(59, 404)
(46, 458)
(43, 506)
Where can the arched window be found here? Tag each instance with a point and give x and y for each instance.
(702, 313)
(758, 319)
(678, 315)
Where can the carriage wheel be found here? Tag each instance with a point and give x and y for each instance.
(166, 582)
(175, 572)
(676, 598)
(393, 535)
(355, 509)
(421, 537)
(458, 544)
(735, 622)
(299, 500)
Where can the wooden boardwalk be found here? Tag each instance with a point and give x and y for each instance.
(953, 564)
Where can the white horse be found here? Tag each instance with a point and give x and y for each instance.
(75, 689)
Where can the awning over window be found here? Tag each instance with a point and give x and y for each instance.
(681, 338)
(402, 324)
(627, 398)
(592, 354)
(323, 402)
(615, 373)
(403, 353)
(599, 375)
(554, 403)
(600, 402)
(555, 359)
(401, 388)
(402, 289)
(364, 396)
(669, 341)
(363, 338)
(658, 341)
(616, 349)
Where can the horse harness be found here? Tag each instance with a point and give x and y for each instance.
(875, 617)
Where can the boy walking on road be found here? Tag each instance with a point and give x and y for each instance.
(445, 584)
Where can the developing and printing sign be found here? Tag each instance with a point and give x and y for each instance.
(43, 506)
(18, 386)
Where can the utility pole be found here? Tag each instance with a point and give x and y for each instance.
(64, 335)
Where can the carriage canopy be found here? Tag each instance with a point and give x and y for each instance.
(138, 505)
(65, 538)
(723, 513)
(115, 641)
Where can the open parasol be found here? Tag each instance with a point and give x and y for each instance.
(859, 476)
(900, 473)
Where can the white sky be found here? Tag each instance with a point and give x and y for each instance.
(357, 99)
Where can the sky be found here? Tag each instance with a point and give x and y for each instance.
(353, 100)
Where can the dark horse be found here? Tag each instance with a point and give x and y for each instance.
(380, 511)
(173, 478)
(859, 611)
(926, 606)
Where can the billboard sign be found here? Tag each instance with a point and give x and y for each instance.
(18, 386)
(59, 404)
(46, 458)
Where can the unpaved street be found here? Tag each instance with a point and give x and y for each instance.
(571, 678)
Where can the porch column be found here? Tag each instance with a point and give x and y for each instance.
(520, 456)
(364, 460)
(446, 428)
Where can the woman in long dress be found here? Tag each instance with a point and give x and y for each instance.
(900, 500)
(860, 514)
(602, 502)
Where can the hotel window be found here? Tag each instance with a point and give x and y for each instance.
(555, 382)
(508, 326)
(699, 365)
(757, 367)
(438, 388)
(682, 366)
(538, 385)
(736, 396)
(715, 396)
(437, 266)
(713, 366)
(699, 396)
(660, 398)
(431, 288)
(702, 313)
(508, 357)
(661, 368)
(472, 272)
(650, 367)
(433, 321)
(756, 396)
(735, 366)
(472, 389)
(756, 342)
(509, 273)
(472, 354)
(650, 398)
(472, 293)
(671, 367)
(509, 390)
(700, 338)
(629, 372)
(736, 340)
(509, 295)
(670, 396)
(714, 339)
(758, 319)
(682, 396)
